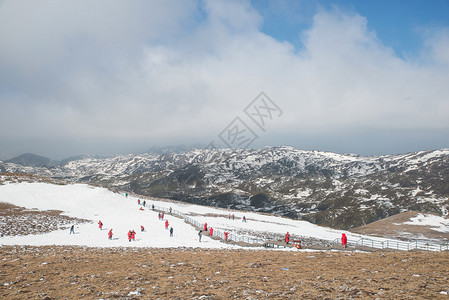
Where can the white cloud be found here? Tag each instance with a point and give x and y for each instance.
(183, 70)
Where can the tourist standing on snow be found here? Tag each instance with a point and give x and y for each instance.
(344, 241)
(110, 234)
(152, 206)
(100, 225)
(287, 237)
(144, 203)
(133, 235)
(211, 231)
(72, 229)
(166, 224)
(130, 235)
(226, 235)
(244, 219)
(171, 231)
(200, 233)
(205, 227)
(138, 201)
(170, 210)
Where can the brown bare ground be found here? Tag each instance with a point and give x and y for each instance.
(117, 273)
(392, 227)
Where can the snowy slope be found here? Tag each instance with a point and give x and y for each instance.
(122, 214)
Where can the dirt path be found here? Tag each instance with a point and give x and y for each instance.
(91, 273)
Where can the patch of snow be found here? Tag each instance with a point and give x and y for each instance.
(436, 223)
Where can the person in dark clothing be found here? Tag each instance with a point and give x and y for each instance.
(200, 233)
(72, 229)
(171, 231)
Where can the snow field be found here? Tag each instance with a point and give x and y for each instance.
(122, 214)
(114, 210)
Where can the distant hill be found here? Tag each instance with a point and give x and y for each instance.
(336, 190)
(173, 149)
(31, 160)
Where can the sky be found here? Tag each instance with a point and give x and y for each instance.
(108, 77)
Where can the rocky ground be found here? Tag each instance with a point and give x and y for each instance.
(117, 273)
(15, 220)
(65, 272)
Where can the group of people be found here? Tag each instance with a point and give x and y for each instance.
(344, 239)
(161, 215)
(233, 217)
(144, 203)
(131, 235)
(211, 232)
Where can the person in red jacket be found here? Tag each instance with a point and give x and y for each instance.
(211, 231)
(344, 241)
(226, 235)
(110, 234)
(166, 224)
(133, 235)
(287, 237)
(142, 228)
(205, 227)
(130, 235)
(100, 225)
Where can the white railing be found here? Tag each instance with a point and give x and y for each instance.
(218, 233)
(397, 245)
(363, 242)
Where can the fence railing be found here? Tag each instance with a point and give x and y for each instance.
(218, 233)
(363, 242)
(397, 245)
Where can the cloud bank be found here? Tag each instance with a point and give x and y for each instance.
(167, 72)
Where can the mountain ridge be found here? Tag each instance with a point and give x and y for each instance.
(338, 190)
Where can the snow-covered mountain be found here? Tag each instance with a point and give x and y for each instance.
(338, 190)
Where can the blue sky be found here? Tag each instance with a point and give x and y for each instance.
(107, 77)
(398, 24)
